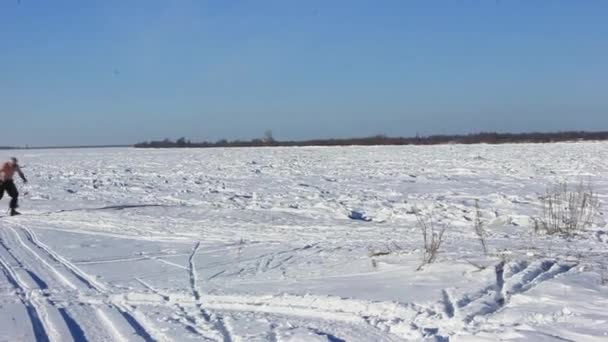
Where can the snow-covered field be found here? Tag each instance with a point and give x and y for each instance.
(257, 245)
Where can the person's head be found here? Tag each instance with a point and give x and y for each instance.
(14, 161)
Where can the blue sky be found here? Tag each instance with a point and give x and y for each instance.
(115, 71)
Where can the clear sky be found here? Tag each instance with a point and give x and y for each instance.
(116, 71)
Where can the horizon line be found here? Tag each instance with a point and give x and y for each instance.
(375, 136)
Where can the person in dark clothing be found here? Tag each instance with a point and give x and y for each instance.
(7, 183)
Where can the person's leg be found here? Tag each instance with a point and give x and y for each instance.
(1, 190)
(11, 189)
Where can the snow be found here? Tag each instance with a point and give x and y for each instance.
(260, 244)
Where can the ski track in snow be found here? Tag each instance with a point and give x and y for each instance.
(256, 245)
(62, 281)
(494, 297)
(214, 320)
(61, 277)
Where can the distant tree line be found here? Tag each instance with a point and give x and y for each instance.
(476, 138)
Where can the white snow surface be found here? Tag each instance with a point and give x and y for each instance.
(256, 244)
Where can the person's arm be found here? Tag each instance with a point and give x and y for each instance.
(21, 174)
(2, 174)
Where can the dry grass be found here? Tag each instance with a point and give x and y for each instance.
(432, 237)
(567, 210)
(479, 229)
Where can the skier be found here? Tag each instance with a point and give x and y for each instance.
(7, 184)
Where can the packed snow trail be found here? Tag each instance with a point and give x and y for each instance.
(64, 300)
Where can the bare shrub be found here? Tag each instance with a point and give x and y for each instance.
(431, 236)
(567, 210)
(479, 229)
